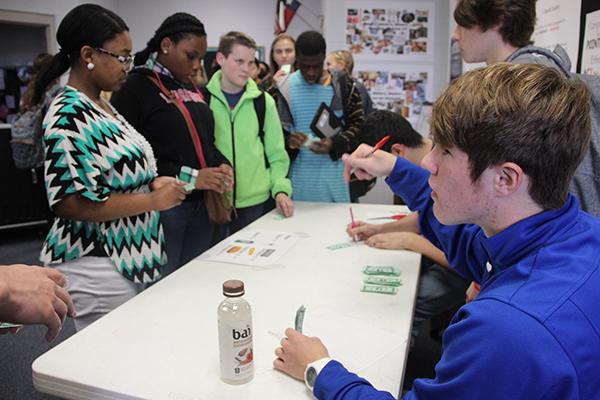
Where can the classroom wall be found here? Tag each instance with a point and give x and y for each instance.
(57, 8)
(256, 18)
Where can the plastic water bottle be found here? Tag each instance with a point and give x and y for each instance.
(235, 335)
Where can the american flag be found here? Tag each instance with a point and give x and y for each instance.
(284, 12)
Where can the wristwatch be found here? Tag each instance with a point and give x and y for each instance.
(312, 371)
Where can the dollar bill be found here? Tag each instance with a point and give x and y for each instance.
(379, 289)
(381, 270)
(299, 318)
(382, 280)
(187, 175)
(339, 246)
(8, 325)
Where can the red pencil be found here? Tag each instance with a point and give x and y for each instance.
(352, 218)
(379, 144)
(377, 147)
(352, 223)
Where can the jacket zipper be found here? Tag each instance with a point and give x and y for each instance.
(231, 121)
(233, 157)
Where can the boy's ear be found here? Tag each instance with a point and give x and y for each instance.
(398, 149)
(509, 178)
(220, 57)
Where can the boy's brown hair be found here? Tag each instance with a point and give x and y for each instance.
(228, 40)
(528, 114)
(515, 17)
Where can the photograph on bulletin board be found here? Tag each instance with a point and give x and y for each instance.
(390, 30)
(403, 89)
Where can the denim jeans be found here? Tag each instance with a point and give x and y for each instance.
(188, 233)
(440, 290)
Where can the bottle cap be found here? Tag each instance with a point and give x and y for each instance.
(233, 288)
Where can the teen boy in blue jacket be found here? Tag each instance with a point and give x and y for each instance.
(504, 157)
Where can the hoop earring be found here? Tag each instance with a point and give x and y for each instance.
(90, 66)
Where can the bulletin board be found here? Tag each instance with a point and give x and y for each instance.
(390, 30)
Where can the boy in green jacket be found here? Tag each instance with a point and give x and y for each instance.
(259, 159)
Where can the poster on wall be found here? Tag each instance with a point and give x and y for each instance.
(389, 30)
(402, 89)
(558, 23)
(590, 56)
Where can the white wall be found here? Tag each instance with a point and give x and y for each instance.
(56, 8)
(256, 18)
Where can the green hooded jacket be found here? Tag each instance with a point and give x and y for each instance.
(236, 137)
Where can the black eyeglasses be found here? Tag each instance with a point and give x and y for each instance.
(125, 60)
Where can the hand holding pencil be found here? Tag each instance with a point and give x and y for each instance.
(352, 224)
(366, 162)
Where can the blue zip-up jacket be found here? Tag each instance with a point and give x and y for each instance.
(533, 332)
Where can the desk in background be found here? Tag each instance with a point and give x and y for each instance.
(163, 344)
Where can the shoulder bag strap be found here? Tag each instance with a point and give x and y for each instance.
(186, 116)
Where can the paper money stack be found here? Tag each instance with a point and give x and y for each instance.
(381, 279)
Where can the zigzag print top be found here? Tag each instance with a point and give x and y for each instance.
(92, 154)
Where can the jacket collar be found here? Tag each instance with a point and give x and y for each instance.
(527, 236)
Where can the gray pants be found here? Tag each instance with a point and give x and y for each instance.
(440, 290)
(96, 288)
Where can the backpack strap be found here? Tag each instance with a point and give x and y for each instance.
(207, 95)
(260, 108)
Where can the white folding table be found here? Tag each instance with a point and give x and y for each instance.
(163, 343)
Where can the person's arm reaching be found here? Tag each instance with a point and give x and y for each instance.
(34, 295)
(279, 161)
(363, 230)
(408, 241)
(168, 194)
(333, 382)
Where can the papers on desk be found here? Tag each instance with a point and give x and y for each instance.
(252, 247)
(355, 343)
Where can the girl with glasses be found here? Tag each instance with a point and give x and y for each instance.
(100, 173)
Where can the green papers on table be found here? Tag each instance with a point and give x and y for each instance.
(382, 280)
(381, 270)
(379, 289)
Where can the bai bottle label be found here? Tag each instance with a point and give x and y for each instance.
(237, 356)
